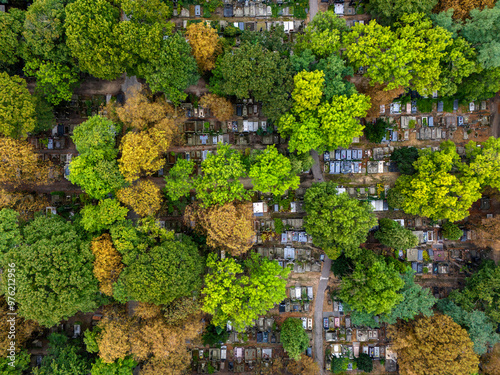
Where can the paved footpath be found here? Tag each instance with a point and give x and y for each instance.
(313, 9)
(319, 352)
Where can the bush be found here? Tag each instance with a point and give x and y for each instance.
(451, 231)
(214, 336)
(375, 132)
(278, 226)
(339, 364)
(364, 362)
(404, 157)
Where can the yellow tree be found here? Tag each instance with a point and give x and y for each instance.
(108, 263)
(20, 165)
(142, 154)
(228, 227)
(204, 42)
(140, 113)
(25, 204)
(434, 345)
(144, 198)
(221, 108)
(148, 336)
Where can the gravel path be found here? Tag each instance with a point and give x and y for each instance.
(319, 352)
(313, 9)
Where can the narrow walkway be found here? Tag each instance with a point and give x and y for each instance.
(319, 353)
(316, 168)
(313, 9)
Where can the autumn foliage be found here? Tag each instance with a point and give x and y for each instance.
(433, 345)
(25, 204)
(107, 264)
(221, 108)
(228, 227)
(204, 42)
(144, 198)
(150, 338)
(462, 8)
(19, 164)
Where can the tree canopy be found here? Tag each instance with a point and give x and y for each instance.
(172, 70)
(480, 328)
(390, 11)
(220, 182)
(17, 108)
(54, 272)
(440, 345)
(294, 337)
(336, 221)
(240, 73)
(372, 287)
(393, 235)
(433, 191)
(100, 217)
(272, 173)
(240, 294)
(416, 300)
(165, 272)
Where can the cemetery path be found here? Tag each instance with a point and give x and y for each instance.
(319, 353)
(313, 9)
(316, 168)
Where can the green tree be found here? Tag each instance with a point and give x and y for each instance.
(408, 56)
(17, 109)
(294, 337)
(301, 162)
(239, 72)
(376, 131)
(404, 157)
(390, 11)
(65, 358)
(364, 362)
(482, 31)
(220, 182)
(342, 266)
(164, 272)
(363, 319)
(119, 367)
(214, 336)
(97, 177)
(433, 191)
(44, 31)
(178, 184)
(335, 71)
(96, 136)
(393, 235)
(372, 287)
(102, 216)
(459, 62)
(54, 272)
(55, 81)
(95, 170)
(481, 292)
(336, 221)
(480, 328)
(11, 46)
(480, 86)
(323, 35)
(272, 173)
(332, 126)
(22, 364)
(45, 119)
(240, 294)
(93, 38)
(173, 69)
(416, 300)
(451, 231)
(339, 364)
(10, 234)
(484, 162)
